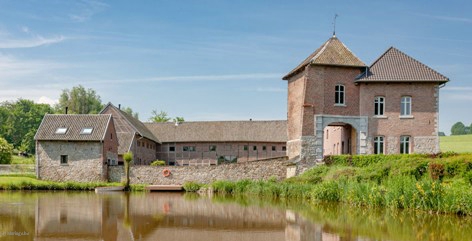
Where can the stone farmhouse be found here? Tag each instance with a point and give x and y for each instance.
(76, 147)
(338, 105)
(181, 144)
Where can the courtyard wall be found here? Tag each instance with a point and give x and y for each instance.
(256, 170)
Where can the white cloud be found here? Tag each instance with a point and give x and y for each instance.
(455, 96)
(192, 78)
(271, 89)
(12, 68)
(87, 9)
(25, 29)
(32, 42)
(457, 88)
(448, 18)
(47, 100)
(31, 93)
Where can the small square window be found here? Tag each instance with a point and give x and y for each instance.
(212, 148)
(61, 130)
(188, 148)
(264, 148)
(86, 131)
(64, 159)
(254, 148)
(284, 148)
(245, 148)
(171, 148)
(273, 148)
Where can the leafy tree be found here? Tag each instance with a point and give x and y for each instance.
(159, 116)
(19, 122)
(131, 113)
(79, 101)
(458, 129)
(6, 150)
(127, 157)
(179, 119)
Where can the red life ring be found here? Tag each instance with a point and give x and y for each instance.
(166, 172)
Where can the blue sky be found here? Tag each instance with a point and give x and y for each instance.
(218, 60)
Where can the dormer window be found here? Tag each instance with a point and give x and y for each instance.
(86, 131)
(61, 131)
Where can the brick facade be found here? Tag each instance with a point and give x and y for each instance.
(422, 125)
(208, 153)
(314, 106)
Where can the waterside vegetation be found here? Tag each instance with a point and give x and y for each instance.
(439, 183)
(29, 182)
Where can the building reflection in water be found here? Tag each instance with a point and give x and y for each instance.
(156, 216)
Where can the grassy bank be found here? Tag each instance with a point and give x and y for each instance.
(441, 183)
(460, 144)
(12, 182)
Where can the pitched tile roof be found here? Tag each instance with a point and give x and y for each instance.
(221, 131)
(396, 66)
(125, 123)
(332, 52)
(74, 125)
(124, 142)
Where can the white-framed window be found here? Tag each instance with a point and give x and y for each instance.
(339, 95)
(86, 131)
(171, 148)
(405, 107)
(379, 106)
(61, 130)
(404, 144)
(379, 145)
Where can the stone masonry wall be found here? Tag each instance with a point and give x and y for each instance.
(85, 161)
(202, 174)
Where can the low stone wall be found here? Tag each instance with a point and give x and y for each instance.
(17, 169)
(255, 170)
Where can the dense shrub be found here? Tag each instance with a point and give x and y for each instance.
(158, 163)
(6, 150)
(326, 191)
(192, 186)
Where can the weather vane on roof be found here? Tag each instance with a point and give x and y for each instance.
(334, 24)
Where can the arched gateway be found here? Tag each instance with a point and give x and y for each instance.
(352, 138)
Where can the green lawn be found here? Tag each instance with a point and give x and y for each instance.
(460, 144)
(22, 160)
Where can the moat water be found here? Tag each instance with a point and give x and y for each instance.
(177, 216)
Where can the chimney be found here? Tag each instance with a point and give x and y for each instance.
(67, 108)
(119, 106)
